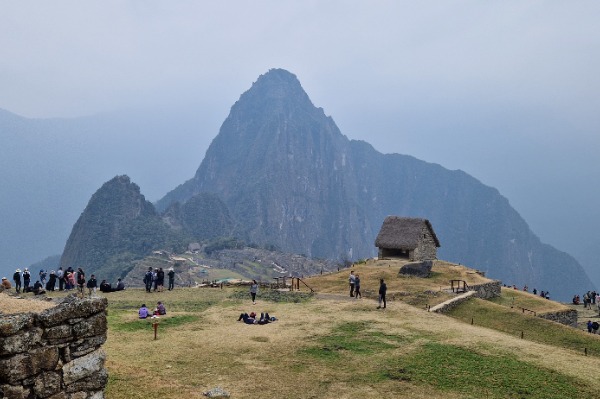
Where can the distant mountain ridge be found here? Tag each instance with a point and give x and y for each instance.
(289, 177)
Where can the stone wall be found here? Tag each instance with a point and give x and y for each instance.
(487, 290)
(55, 354)
(567, 317)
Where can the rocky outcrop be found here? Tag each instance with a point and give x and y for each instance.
(566, 317)
(56, 353)
(417, 269)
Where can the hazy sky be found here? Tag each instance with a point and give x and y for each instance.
(507, 91)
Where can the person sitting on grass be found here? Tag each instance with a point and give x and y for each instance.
(144, 312)
(251, 318)
(105, 286)
(160, 309)
(38, 288)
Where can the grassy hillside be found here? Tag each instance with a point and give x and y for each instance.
(333, 346)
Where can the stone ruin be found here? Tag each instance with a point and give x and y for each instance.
(56, 353)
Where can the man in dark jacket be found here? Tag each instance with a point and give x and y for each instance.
(382, 292)
(148, 280)
(17, 280)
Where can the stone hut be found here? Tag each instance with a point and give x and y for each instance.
(407, 238)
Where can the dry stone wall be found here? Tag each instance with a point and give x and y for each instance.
(55, 354)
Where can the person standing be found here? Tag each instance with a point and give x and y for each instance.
(352, 281)
(60, 275)
(148, 279)
(171, 275)
(253, 291)
(51, 281)
(80, 280)
(17, 280)
(43, 275)
(382, 292)
(161, 279)
(357, 293)
(26, 280)
(92, 284)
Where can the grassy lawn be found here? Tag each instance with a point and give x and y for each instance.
(325, 348)
(331, 346)
(502, 318)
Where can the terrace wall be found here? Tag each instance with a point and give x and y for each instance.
(55, 354)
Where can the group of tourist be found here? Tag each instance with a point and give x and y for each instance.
(543, 294)
(589, 298)
(252, 319)
(159, 310)
(154, 279)
(67, 280)
(354, 282)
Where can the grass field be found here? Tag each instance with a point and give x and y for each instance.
(333, 346)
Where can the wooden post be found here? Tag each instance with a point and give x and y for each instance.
(155, 326)
(472, 320)
(585, 351)
(522, 334)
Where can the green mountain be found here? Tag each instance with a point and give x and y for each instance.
(290, 178)
(117, 226)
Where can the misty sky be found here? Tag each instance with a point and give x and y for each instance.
(507, 91)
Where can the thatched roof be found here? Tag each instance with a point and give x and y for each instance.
(402, 233)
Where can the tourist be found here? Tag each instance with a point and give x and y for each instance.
(253, 291)
(105, 286)
(148, 280)
(51, 281)
(80, 280)
(351, 282)
(92, 284)
(171, 275)
(357, 293)
(143, 312)
(160, 309)
(589, 326)
(160, 276)
(43, 275)
(60, 276)
(26, 280)
(38, 288)
(120, 285)
(382, 292)
(155, 279)
(251, 318)
(71, 279)
(5, 284)
(17, 280)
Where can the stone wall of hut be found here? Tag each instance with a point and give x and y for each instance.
(426, 250)
(55, 354)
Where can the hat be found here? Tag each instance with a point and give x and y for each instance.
(3, 278)
(18, 270)
(26, 269)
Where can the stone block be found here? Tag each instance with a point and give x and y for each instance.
(59, 334)
(94, 382)
(84, 346)
(83, 367)
(95, 325)
(22, 342)
(14, 392)
(417, 269)
(72, 308)
(12, 324)
(47, 384)
(60, 395)
(44, 359)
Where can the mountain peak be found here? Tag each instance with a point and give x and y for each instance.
(277, 85)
